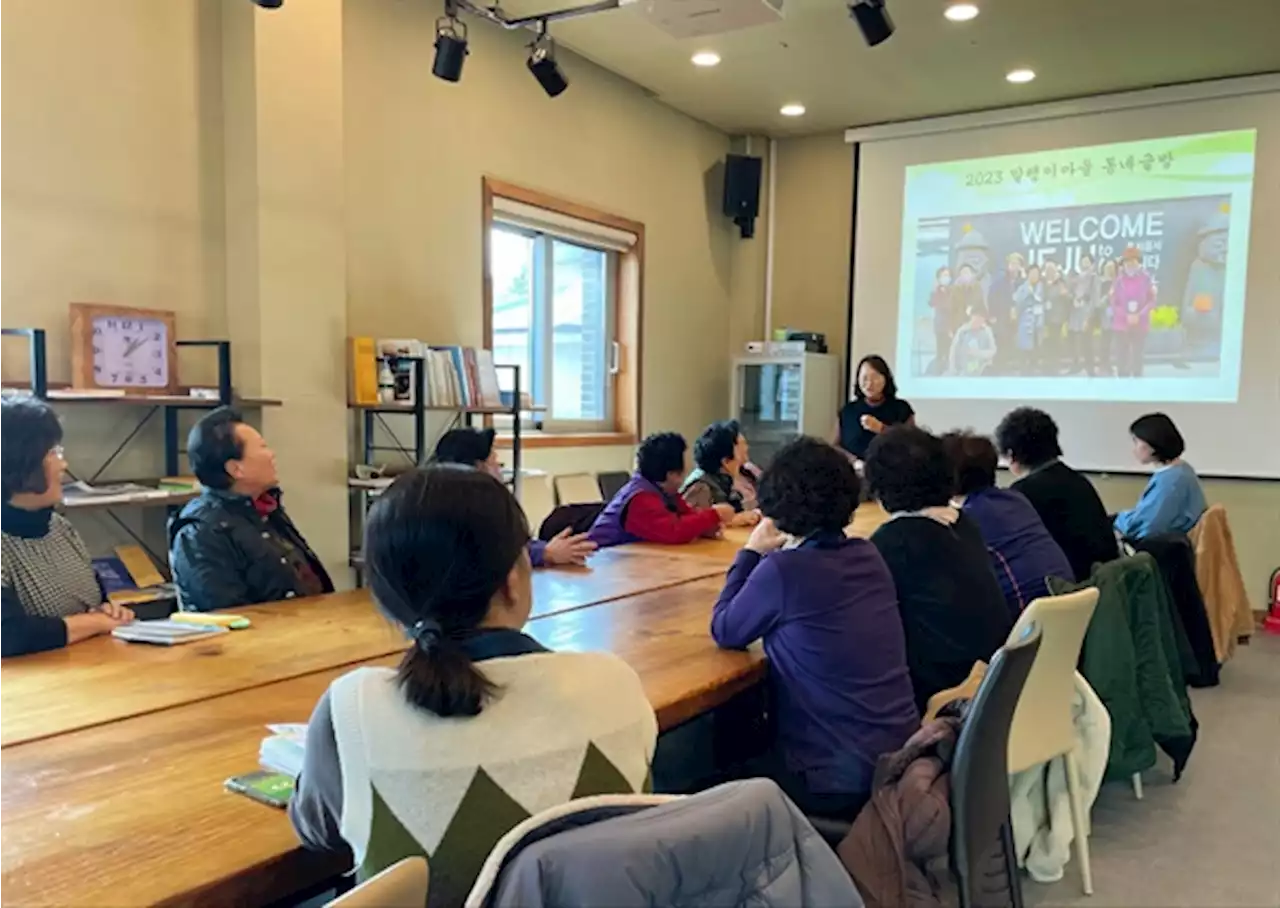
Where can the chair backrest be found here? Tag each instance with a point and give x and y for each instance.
(402, 885)
(611, 483)
(1042, 726)
(577, 488)
(537, 497)
(980, 769)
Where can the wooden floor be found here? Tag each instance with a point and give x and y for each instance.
(114, 755)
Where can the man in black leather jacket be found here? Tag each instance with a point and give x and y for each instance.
(235, 545)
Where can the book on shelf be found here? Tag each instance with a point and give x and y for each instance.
(130, 578)
(364, 370)
(487, 380)
(454, 376)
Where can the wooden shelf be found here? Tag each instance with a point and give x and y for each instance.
(70, 396)
(157, 498)
(409, 408)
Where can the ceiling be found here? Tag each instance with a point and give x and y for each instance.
(930, 66)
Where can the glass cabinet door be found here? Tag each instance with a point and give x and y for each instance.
(769, 410)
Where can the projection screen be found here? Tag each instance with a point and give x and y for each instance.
(1097, 263)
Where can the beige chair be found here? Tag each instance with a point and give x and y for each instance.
(1042, 727)
(402, 885)
(577, 488)
(537, 498)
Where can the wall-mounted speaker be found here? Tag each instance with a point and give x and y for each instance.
(742, 191)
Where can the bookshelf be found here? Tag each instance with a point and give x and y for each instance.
(169, 408)
(368, 419)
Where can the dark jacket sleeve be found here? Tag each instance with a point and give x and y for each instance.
(204, 567)
(315, 810)
(22, 633)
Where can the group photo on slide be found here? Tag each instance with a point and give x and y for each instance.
(1000, 307)
(1139, 279)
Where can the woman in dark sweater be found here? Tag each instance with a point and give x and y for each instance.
(51, 596)
(826, 609)
(1066, 500)
(953, 612)
(875, 407)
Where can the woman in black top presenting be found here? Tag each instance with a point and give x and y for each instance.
(874, 408)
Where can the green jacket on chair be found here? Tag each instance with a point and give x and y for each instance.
(1130, 658)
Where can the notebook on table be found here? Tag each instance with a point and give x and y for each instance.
(165, 633)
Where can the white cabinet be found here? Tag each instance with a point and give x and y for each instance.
(777, 397)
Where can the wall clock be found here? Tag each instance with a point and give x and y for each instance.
(124, 348)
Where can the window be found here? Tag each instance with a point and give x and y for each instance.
(562, 294)
(553, 315)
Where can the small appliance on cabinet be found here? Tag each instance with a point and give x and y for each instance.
(777, 396)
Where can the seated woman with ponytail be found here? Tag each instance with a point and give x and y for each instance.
(480, 726)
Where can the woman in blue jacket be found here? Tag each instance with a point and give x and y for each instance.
(1173, 501)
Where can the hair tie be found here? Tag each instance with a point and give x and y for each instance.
(426, 633)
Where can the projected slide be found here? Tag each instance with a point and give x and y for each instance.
(1113, 272)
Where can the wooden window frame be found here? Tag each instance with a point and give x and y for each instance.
(629, 299)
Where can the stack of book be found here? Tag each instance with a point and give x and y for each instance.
(462, 377)
(383, 372)
(284, 750)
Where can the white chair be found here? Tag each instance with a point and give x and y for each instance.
(1042, 725)
(577, 488)
(537, 499)
(402, 885)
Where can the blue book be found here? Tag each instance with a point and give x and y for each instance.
(460, 370)
(115, 577)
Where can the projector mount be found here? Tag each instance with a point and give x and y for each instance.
(497, 16)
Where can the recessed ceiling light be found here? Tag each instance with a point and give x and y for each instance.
(961, 12)
(706, 58)
(1018, 76)
(792, 110)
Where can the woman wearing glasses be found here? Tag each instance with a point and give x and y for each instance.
(51, 596)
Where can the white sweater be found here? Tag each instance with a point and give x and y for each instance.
(563, 725)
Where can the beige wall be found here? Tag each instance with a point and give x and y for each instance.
(111, 191)
(163, 153)
(811, 247)
(815, 184)
(416, 148)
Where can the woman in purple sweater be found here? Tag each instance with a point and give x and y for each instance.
(826, 609)
(1022, 551)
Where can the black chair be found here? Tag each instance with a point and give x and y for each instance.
(980, 776)
(611, 484)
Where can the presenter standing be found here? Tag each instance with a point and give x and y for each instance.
(874, 408)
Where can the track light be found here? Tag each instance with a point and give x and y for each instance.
(542, 63)
(873, 19)
(451, 49)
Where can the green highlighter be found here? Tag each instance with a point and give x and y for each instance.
(271, 788)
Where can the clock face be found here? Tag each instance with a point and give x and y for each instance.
(130, 352)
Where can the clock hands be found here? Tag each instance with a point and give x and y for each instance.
(134, 345)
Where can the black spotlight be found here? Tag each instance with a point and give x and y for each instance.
(451, 49)
(542, 63)
(873, 19)
(268, 4)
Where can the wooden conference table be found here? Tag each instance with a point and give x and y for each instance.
(114, 755)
